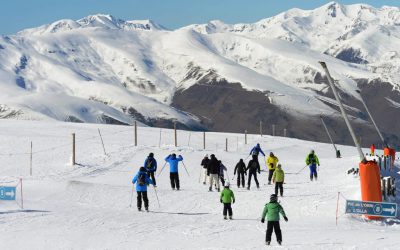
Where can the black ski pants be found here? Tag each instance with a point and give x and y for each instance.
(279, 185)
(255, 179)
(240, 179)
(273, 226)
(270, 173)
(140, 196)
(221, 177)
(227, 209)
(153, 178)
(174, 177)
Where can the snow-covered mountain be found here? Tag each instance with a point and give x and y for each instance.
(215, 76)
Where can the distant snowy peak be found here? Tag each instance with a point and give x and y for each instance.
(94, 21)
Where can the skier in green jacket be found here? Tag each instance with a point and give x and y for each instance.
(272, 211)
(227, 197)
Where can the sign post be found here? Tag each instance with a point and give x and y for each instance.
(381, 209)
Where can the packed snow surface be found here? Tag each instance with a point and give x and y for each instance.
(87, 206)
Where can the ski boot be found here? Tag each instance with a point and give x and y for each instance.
(279, 242)
(139, 209)
(147, 209)
(248, 188)
(210, 189)
(225, 218)
(204, 183)
(268, 243)
(230, 217)
(218, 189)
(258, 186)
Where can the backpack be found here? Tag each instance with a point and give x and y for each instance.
(141, 180)
(149, 163)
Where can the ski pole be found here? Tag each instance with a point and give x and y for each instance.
(199, 175)
(155, 191)
(247, 157)
(301, 169)
(130, 205)
(162, 169)
(227, 174)
(185, 168)
(233, 176)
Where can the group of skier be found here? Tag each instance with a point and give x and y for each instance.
(213, 171)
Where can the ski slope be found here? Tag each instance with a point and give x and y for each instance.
(87, 206)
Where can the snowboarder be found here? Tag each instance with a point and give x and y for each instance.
(204, 163)
(142, 180)
(213, 170)
(312, 161)
(151, 167)
(278, 178)
(222, 168)
(173, 170)
(253, 168)
(271, 163)
(256, 150)
(241, 172)
(227, 197)
(272, 211)
(372, 149)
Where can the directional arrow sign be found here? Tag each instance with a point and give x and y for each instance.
(7, 193)
(382, 209)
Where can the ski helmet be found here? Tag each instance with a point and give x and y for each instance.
(273, 198)
(279, 166)
(151, 155)
(142, 169)
(227, 184)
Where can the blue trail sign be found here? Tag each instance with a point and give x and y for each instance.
(382, 209)
(7, 193)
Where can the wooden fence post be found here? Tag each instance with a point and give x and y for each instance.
(226, 144)
(204, 140)
(176, 137)
(261, 132)
(273, 129)
(245, 137)
(73, 149)
(284, 132)
(135, 134)
(30, 162)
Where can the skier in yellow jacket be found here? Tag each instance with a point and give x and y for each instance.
(271, 163)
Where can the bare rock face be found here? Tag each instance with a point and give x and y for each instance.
(223, 106)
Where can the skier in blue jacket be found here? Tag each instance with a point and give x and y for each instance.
(151, 167)
(142, 180)
(256, 150)
(173, 169)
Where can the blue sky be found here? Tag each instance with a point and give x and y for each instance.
(16, 15)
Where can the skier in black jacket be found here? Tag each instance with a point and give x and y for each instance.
(204, 163)
(213, 170)
(241, 171)
(253, 168)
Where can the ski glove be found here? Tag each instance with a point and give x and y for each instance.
(220, 200)
(262, 220)
(233, 200)
(285, 218)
